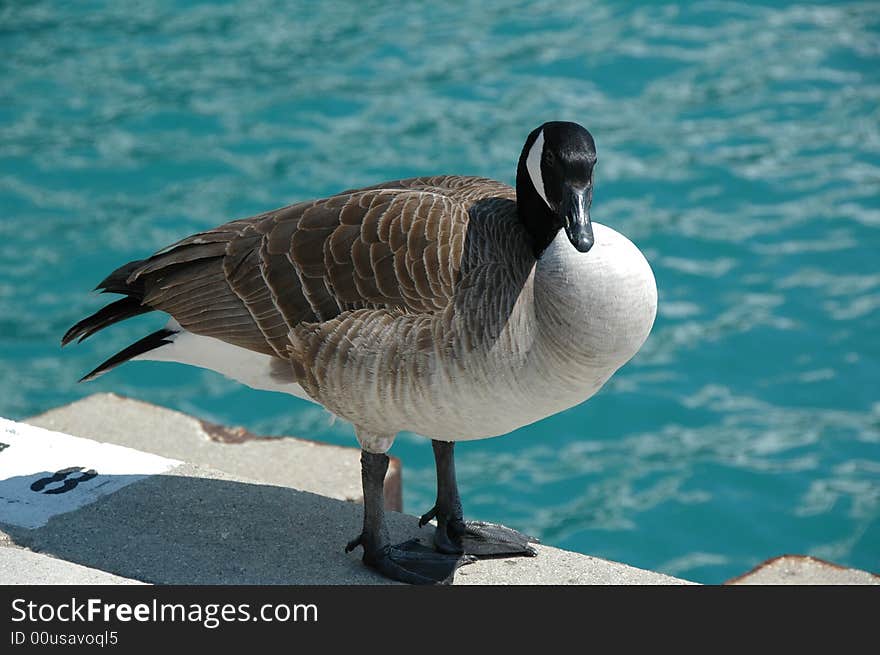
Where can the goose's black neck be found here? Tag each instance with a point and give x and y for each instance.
(542, 224)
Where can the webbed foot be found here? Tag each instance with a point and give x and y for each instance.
(478, 538)
(411, 562)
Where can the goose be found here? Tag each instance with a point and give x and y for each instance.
(451, 307)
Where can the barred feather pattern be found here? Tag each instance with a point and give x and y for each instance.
(396, 246)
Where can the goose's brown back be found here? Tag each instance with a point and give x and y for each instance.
(249, 282)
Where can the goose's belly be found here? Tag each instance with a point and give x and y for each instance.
(469, 408)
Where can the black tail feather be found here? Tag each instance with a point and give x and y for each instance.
(117, 281)
(104, 317)
(155, 340)
(131, 305)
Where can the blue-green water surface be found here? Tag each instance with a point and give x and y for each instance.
(739, 147)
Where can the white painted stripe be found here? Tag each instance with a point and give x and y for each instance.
(44, 473)
(533, 165)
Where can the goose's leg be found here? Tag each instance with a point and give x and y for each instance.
(453, 534)
(407, 562)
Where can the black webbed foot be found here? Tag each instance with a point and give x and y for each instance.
(483, 539)
(477, 538)
(453, 535)
(447, 536)
(411, 562)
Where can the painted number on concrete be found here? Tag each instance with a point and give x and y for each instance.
(62, 476)
(44, 473)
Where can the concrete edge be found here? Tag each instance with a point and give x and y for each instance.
(125, 421)
(766, 567)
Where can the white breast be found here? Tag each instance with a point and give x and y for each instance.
(590, 313)
(596, 308)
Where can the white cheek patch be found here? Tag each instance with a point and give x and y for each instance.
(533, 165)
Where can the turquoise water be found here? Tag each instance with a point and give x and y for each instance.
(739, 147)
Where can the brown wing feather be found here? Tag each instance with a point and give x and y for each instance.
(394, 246)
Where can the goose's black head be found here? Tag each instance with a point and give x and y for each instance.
(554, 184)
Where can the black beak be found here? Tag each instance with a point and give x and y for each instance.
(575, 211)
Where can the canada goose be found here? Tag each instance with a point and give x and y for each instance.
(452, 307)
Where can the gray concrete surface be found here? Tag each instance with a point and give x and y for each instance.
(197, 525)
(803, 570)
(23, 567)
(324, 469)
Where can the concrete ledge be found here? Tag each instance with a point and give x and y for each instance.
(241, 510)
(193, 524)
(23, 567)
(803, 570)
(232, 508)
(332, 471)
